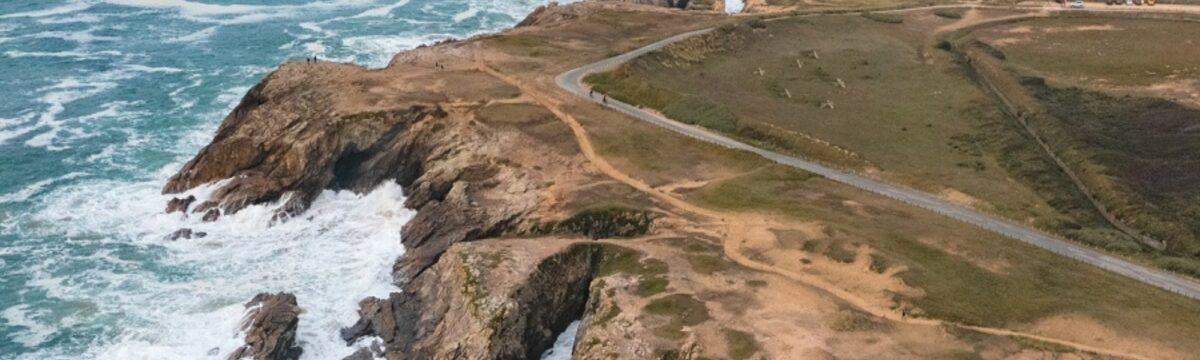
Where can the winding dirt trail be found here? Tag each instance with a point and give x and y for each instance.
(735, 228)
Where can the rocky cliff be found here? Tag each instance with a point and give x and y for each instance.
(484, 300)
(308, 128)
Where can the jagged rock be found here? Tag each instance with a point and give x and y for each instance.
(211, 215)
(205, 206)
(179, 234)
(678, 4)
(180, 205)
(361, 354)
(551, 13)
(482, 301)
(184, 233)
(270, 327)
(300, 132)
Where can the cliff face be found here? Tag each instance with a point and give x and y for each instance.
(484, 300)
(311, 127)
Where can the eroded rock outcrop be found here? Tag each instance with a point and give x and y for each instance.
(270, 327)
(495, 299)
(311, 127)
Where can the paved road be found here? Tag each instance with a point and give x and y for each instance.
(572, 82)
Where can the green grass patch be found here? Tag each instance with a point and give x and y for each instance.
(680, 310)
(533, 120)
(1186, 266)
(886, 18)
(954, 13)
(607, 222)
(759, 189)
(850, 321)
(689, 109)
(740, 344)
(1132, 153)
(650, 273)
(1039, 345)
(707, 264)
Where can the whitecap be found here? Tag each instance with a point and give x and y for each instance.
(37, 187)
(383, 11)
(82, 37)
(151, 69)
(13, 129)
(190, 8)
(56, 97)
(37, 332)
(340, 251)
(237, 13)
(62, 54)
(74, 18)
(65, 9)
(198, 36)
(471, 12)
(379, 49)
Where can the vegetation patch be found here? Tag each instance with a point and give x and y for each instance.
(1137, 155)
(533, 120)
(706, 264)
(1042, 345)
(849, 321)
(680, 310)
(607, 222)
(689, 109)
(1186, 266)
(953, 13)
(887, 18)
(740, 344)
(756, 190)
(650, 273)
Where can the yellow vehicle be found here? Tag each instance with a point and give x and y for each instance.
(1150, 2)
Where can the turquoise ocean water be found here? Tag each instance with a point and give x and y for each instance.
(101, 100)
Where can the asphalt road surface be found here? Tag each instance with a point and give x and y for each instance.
(572, 81)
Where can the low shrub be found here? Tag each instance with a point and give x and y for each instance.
(884, 18)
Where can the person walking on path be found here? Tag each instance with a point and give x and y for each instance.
(591, 93)
(606, 99)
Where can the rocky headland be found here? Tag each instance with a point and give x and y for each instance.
(518, 232)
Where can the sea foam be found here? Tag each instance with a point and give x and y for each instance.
(338, 252)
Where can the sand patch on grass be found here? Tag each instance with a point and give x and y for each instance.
(1082, 329)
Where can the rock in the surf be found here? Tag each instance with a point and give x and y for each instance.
(270, 326)
(184, 233)
(180, 204)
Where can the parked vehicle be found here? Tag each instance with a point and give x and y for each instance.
(1078, 4)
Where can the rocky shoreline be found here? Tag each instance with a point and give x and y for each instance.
(307, 128)
(516, 233)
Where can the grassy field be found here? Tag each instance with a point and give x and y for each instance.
(889, 117)
(967, 275)
(1101, 94)
(905, 109)
(1102, 51)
